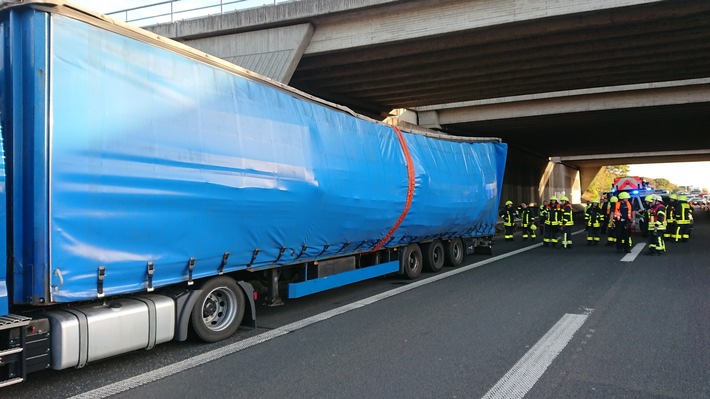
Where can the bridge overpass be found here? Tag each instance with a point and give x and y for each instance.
(570, 86)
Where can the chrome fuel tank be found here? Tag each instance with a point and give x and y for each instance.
(87, 333)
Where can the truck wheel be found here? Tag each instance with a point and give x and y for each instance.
(411, 261)
(433, 256)
(218, 311)
(454, 252)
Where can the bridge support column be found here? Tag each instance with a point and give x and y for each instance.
(587, 175)
(559, 180)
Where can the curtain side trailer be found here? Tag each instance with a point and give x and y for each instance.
(145, 186)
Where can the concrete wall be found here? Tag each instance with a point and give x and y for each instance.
(530, 178)
(522, 177)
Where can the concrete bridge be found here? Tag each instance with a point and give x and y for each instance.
(569, 85)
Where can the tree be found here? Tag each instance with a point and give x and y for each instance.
(618, 170)
(603, 180)
(664, 184)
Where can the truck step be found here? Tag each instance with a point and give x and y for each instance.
(8, 352)
(11, 381)
(12, 321)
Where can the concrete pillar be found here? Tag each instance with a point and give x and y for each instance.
(429, 119)
(522, 174)
(587, 175)
(558, 180)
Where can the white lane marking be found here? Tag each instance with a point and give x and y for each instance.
(635, 251)
(157, 374)
(525, 373)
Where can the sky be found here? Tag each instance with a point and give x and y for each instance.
(694, 174)
(108, 6)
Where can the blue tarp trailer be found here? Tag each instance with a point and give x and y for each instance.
(138, 169)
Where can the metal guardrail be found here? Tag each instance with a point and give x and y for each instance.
(172, 10)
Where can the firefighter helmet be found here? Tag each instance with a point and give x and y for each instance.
(613, 199)
(649, 198)
(624, 195)
(673, 197)
(682, 198)
(509, 202)
(564, 198)
(553, 198)
(595, 201)
(657, 198)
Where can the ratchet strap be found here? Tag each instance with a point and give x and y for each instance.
(410, 188)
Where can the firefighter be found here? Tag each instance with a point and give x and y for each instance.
(541, 216)
(604, 207)
(683, 217)
(642, 219)
(593, 217)
(508, 215)
(552, 223)
(610, 230)
(566, 221)
(672, 227)
(656, 214)
(622, 222)
(527, 220)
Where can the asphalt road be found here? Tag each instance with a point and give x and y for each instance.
(504, 329)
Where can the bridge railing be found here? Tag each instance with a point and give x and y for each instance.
(175, 10)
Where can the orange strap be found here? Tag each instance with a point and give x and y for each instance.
(410, 187)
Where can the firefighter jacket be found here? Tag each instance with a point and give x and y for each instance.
(657, 217)
(552, 215)
(671, 210)
(542, 212)
(508, 215)
(566, 215)
(622, 211)
(604, 207)
(594, 216)
(683, 215)
(527, 216)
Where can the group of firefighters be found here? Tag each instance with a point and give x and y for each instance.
(660, 221)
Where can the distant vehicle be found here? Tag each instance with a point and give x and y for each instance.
(633, 185)
(697, 201)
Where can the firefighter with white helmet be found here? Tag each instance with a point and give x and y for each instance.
(656, 225)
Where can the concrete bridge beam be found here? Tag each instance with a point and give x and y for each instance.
(274, 53)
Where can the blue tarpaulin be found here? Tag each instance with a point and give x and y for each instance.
(157, 157)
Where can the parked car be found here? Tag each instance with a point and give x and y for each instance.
(697, 201)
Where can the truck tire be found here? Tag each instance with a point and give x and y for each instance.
(218, 310)
(454, 252)
(433, 253)
(411, 261)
